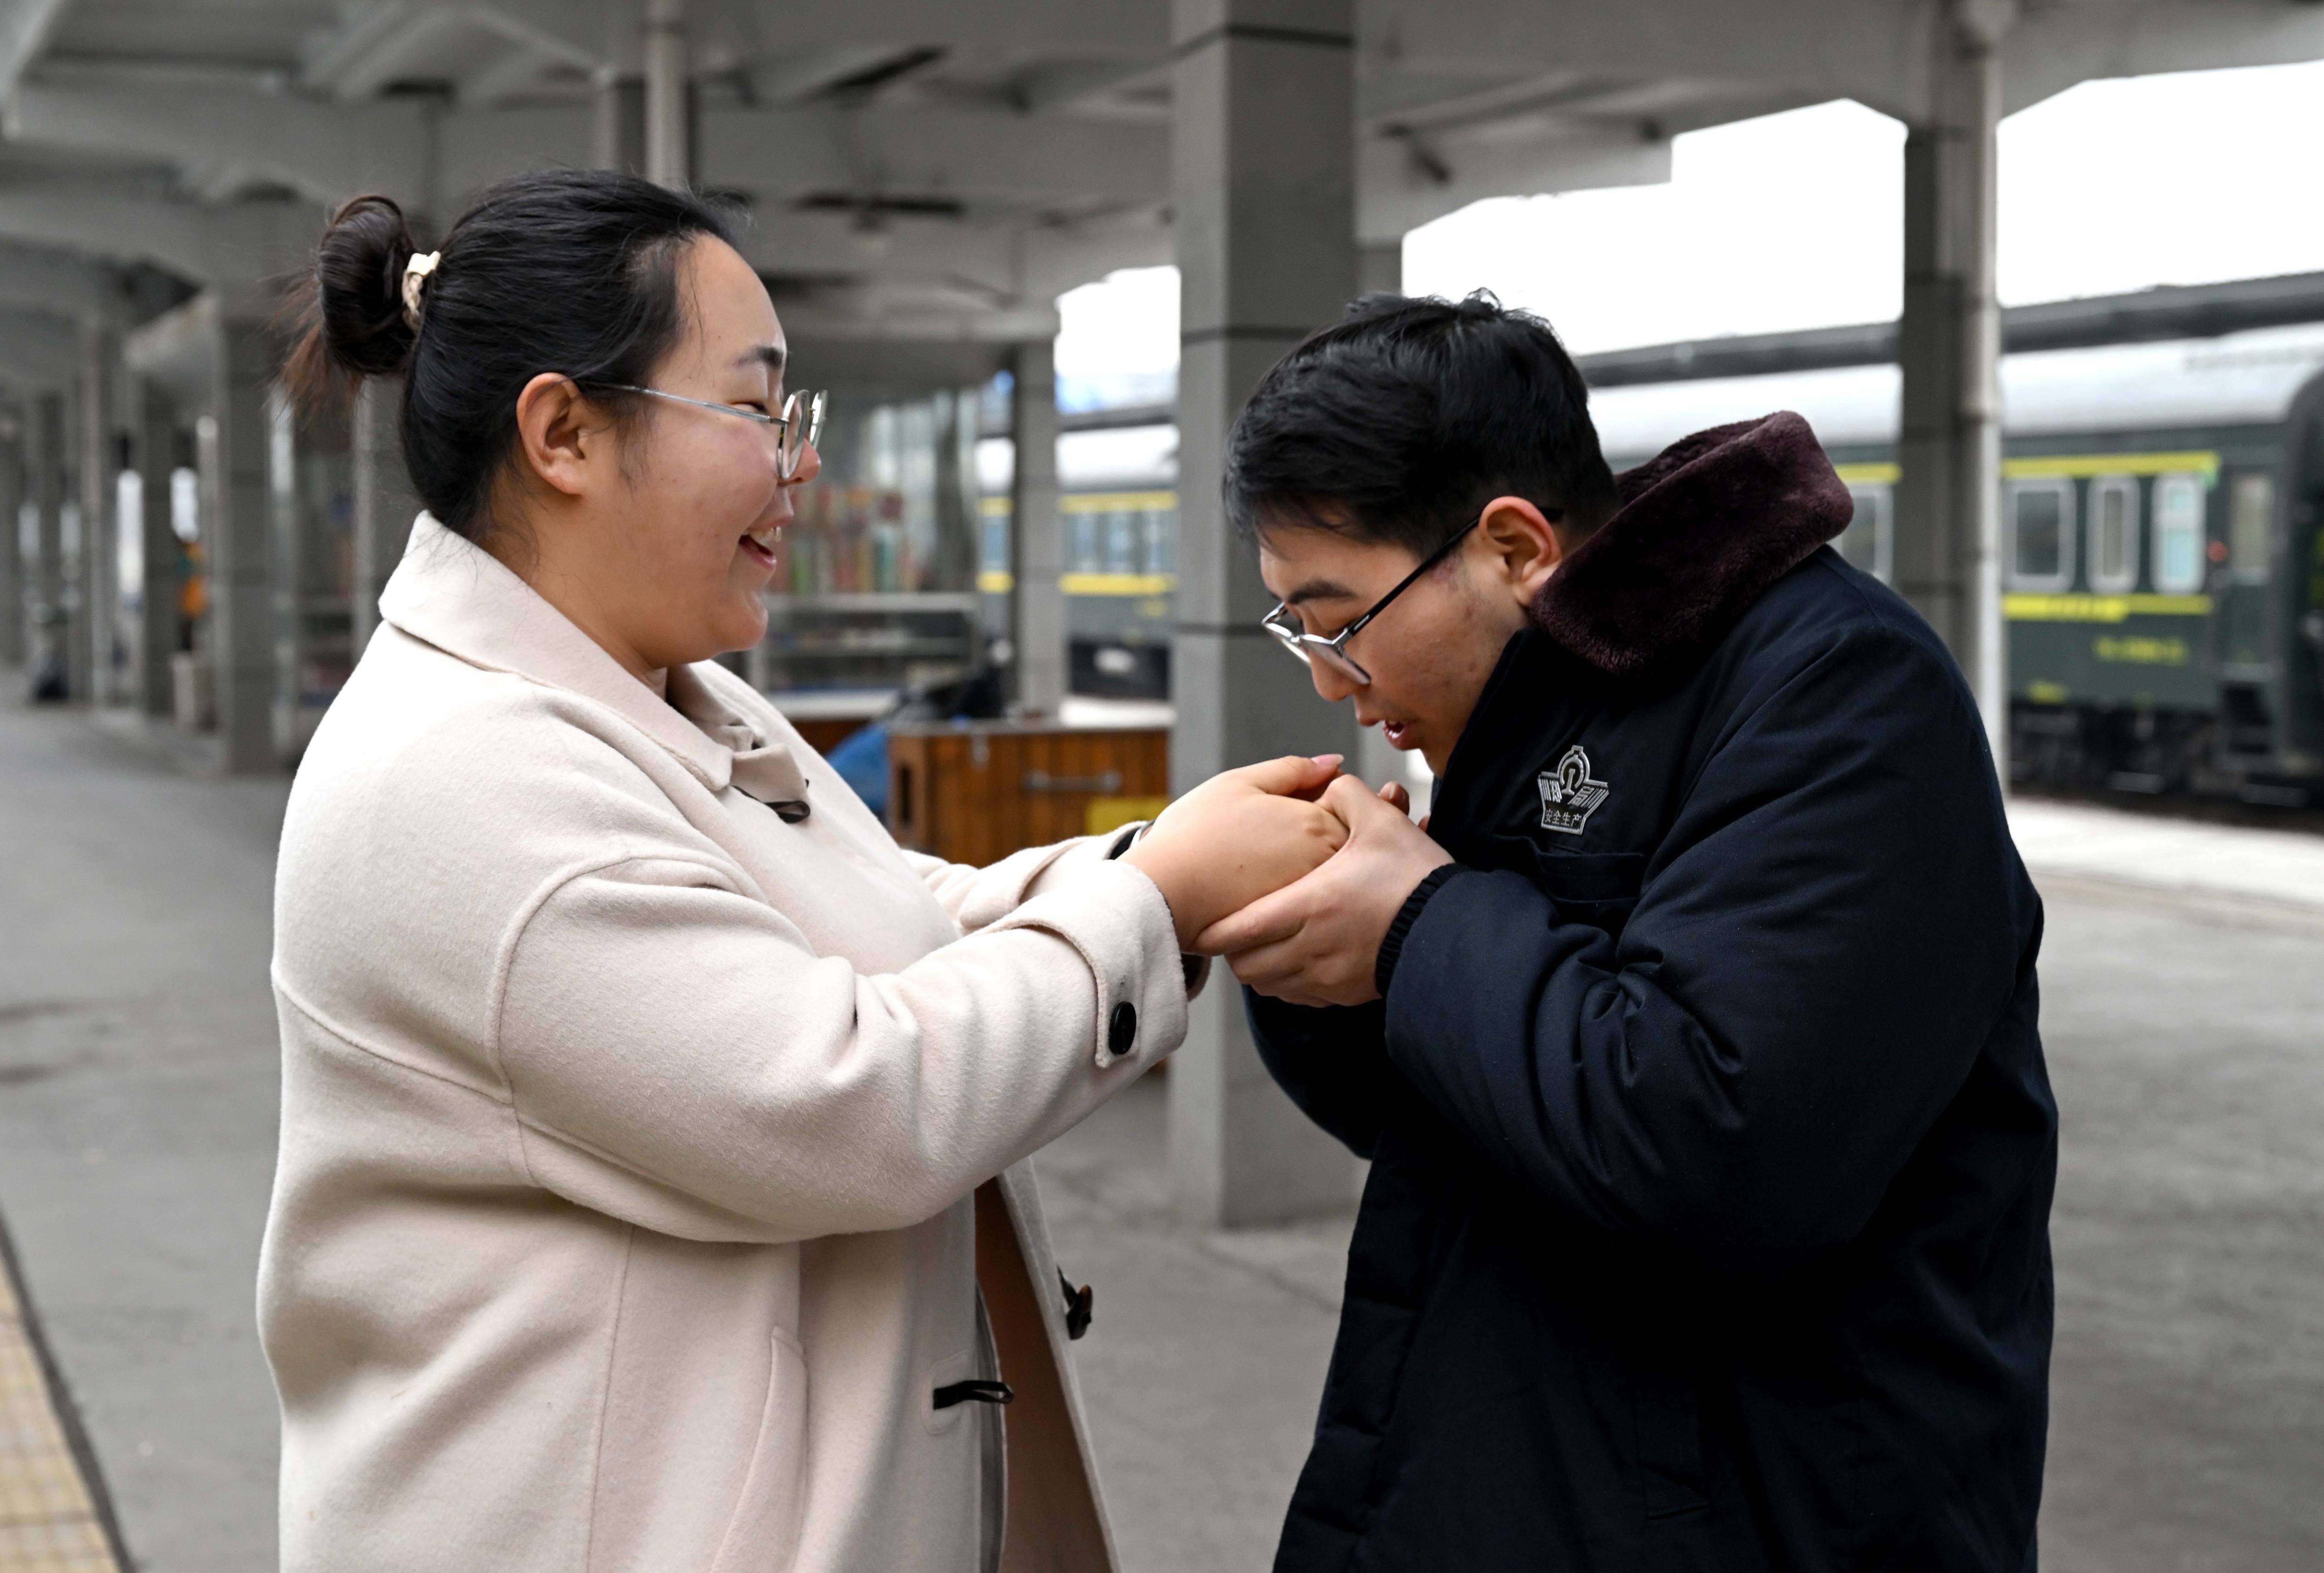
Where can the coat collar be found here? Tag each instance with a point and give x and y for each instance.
(1703, 529)
(452, 594)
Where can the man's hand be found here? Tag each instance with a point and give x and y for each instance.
(1238, 836)
(1316, 942)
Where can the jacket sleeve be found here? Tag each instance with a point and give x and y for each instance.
(678, 1057)
(1332, 1061)
(1817, 955)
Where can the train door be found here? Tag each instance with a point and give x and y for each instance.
(2299, 602)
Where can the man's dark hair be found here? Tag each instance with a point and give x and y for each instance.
(1401, 420)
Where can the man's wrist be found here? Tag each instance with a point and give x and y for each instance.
(1392, 942)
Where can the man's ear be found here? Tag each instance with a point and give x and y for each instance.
(562, 434)
(1523, 545)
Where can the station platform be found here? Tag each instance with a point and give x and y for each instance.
(2184, 979)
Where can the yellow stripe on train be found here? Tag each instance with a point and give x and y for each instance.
(2060, 466)
(2024, 608)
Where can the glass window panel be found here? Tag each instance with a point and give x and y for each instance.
(2114, 534)
(2179, 534)
(2041, 522)
(1088, 552)
(1866, 542)
(2250, 525)
(1121, 542)
(1161, 541)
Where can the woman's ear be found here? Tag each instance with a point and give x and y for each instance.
(1523, 546)
(562, 433)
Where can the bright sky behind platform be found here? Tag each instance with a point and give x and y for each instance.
(1796, 220)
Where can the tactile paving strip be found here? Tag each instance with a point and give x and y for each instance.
(48, 1523)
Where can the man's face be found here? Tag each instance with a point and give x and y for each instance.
(1430, 653)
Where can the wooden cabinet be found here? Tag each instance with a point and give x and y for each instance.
(974, 792)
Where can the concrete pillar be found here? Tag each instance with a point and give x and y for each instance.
(233, 442)
(286, 566)
(1379, 268)
(384, 505)
(1036, 533)
(1263, 178)
(668, 108)
(45, 478)
(1948, 498)
(154, 443)
(12, 545)
(618, 125)
(99, 466)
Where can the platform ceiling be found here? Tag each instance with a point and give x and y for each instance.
(925, 169)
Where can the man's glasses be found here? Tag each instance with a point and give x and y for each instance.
(800, 423)
(1333, 650)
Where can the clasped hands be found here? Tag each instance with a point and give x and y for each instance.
(1290, 870)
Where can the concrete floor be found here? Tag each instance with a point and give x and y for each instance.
(137, 1087)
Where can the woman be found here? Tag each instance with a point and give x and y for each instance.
(640, 1098)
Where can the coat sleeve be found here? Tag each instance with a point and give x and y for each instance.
(976, 897)
(1332, 1061)
(678, 1057)
(1817, 955)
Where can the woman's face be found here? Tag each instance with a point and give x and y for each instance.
(676, 542)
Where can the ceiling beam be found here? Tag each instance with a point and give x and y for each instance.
(24, 29)
(324, 152)
(231, 249)
(2051, 49)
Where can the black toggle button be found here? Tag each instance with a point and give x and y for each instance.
(1077, 1305)
(1121, 1028)
(974, 1392)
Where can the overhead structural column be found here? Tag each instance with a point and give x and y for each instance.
(1947, 552)
(12, 561)
(44, 478)
(233, 441)
(160, 631)
(96, 635)
(1263, 178)
(1036, 533)
(385, 503)
(669, 109)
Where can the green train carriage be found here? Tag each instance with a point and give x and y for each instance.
(2163, 571)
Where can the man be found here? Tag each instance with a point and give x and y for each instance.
(1694, 1044)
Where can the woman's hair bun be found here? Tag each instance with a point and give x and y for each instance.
(349, 312)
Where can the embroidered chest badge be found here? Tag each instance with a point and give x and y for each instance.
(1569, 794)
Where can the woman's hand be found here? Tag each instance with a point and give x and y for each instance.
(1238, 837)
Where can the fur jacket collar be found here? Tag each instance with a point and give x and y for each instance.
(1704, 527)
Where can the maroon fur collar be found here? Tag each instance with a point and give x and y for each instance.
(1704, 527)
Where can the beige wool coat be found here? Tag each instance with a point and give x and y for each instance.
(643, 1151)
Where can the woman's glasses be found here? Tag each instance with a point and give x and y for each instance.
(800, 423)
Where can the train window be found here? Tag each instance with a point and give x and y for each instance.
(2114, 534)
(1089, 551)
(996, 544)
(1161, 541)
(2251, 526)
(1869, 539)
(2179, 534)
(1121, 542)
(2042, 534)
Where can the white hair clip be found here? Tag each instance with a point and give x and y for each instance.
(415, 275)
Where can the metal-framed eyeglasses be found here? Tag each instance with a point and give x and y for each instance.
(800, 423)
(1332, 650)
